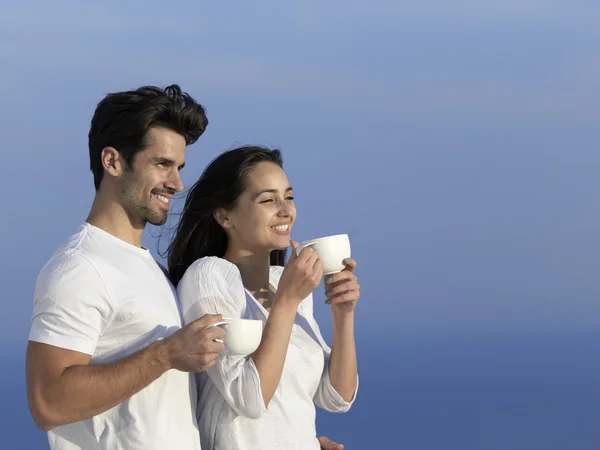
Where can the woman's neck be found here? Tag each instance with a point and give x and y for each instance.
(254, 269)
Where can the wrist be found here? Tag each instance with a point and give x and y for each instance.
(285, 302)
(342, 316)
(162, 354)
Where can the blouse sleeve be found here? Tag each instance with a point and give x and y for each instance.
(213, 286)
(326, 397)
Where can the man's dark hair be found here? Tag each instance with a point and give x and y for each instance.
(122, 120)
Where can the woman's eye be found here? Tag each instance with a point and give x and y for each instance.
(290, 198)
(267, 200)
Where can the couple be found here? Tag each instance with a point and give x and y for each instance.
(109, 361)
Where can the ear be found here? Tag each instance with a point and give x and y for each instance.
(112, 162)
(223, 219)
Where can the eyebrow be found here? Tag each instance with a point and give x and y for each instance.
(162, 159)
(270, 191)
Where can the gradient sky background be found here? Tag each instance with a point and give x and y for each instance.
(456, 142)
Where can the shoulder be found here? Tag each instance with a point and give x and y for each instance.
(74, 254)
(68, 267)
(214, 267)
(71, 281)
(209, 273)
(73, 266)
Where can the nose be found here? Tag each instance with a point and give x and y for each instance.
(174, 181)
(285, 209)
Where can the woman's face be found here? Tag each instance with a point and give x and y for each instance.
(264, 214)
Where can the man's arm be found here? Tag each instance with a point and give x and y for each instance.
(63, 388)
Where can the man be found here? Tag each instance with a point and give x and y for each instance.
(108, 362)
(106, 330)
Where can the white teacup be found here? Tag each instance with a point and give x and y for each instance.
(242, 336)
(332, 251)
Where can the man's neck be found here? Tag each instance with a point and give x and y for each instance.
(111, 217)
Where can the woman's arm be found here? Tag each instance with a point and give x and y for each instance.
(342, 292)
(342, 362)
(300, 277)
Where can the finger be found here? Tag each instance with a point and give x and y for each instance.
(312, 260)
(344, 275)
(207, 365)
(213, 333)
(350, 264)
(208, 347)
(342, 287)
(317, 271)
(217, 347)
(344, 297)
(306, 254)
(325, 442)
(207, 320)
(328, 444)
(213, 348)
(294, 245)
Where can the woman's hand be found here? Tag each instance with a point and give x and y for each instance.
(342, 289)
(328, 444)
(301, 275)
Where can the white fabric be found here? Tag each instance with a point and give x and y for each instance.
(231, 410)
(102, 296)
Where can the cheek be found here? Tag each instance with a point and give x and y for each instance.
(251, 222)
(261, 219)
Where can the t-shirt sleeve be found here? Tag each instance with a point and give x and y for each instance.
(72, 307)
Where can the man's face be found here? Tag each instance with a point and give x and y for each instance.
(153, 178)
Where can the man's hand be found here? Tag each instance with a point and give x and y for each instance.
(328, 444)
(195, 347)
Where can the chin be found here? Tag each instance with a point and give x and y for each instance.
(157, 219)
(282, 244)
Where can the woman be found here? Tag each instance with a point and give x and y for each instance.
(227, 258)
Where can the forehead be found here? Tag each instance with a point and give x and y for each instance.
(266, 175)
(165, 143)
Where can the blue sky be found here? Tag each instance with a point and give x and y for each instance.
(454, 143)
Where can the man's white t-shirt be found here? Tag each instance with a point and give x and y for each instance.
(104, 297)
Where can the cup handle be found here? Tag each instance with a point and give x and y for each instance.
(303, 246)
(217, 324)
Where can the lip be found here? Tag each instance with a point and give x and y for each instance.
(280, 232)
(167, 206)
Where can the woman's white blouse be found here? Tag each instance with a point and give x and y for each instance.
(231, 411)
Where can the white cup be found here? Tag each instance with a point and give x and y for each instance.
(332, 251)
(242, 336)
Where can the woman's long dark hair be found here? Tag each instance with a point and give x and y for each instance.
(198, 233)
